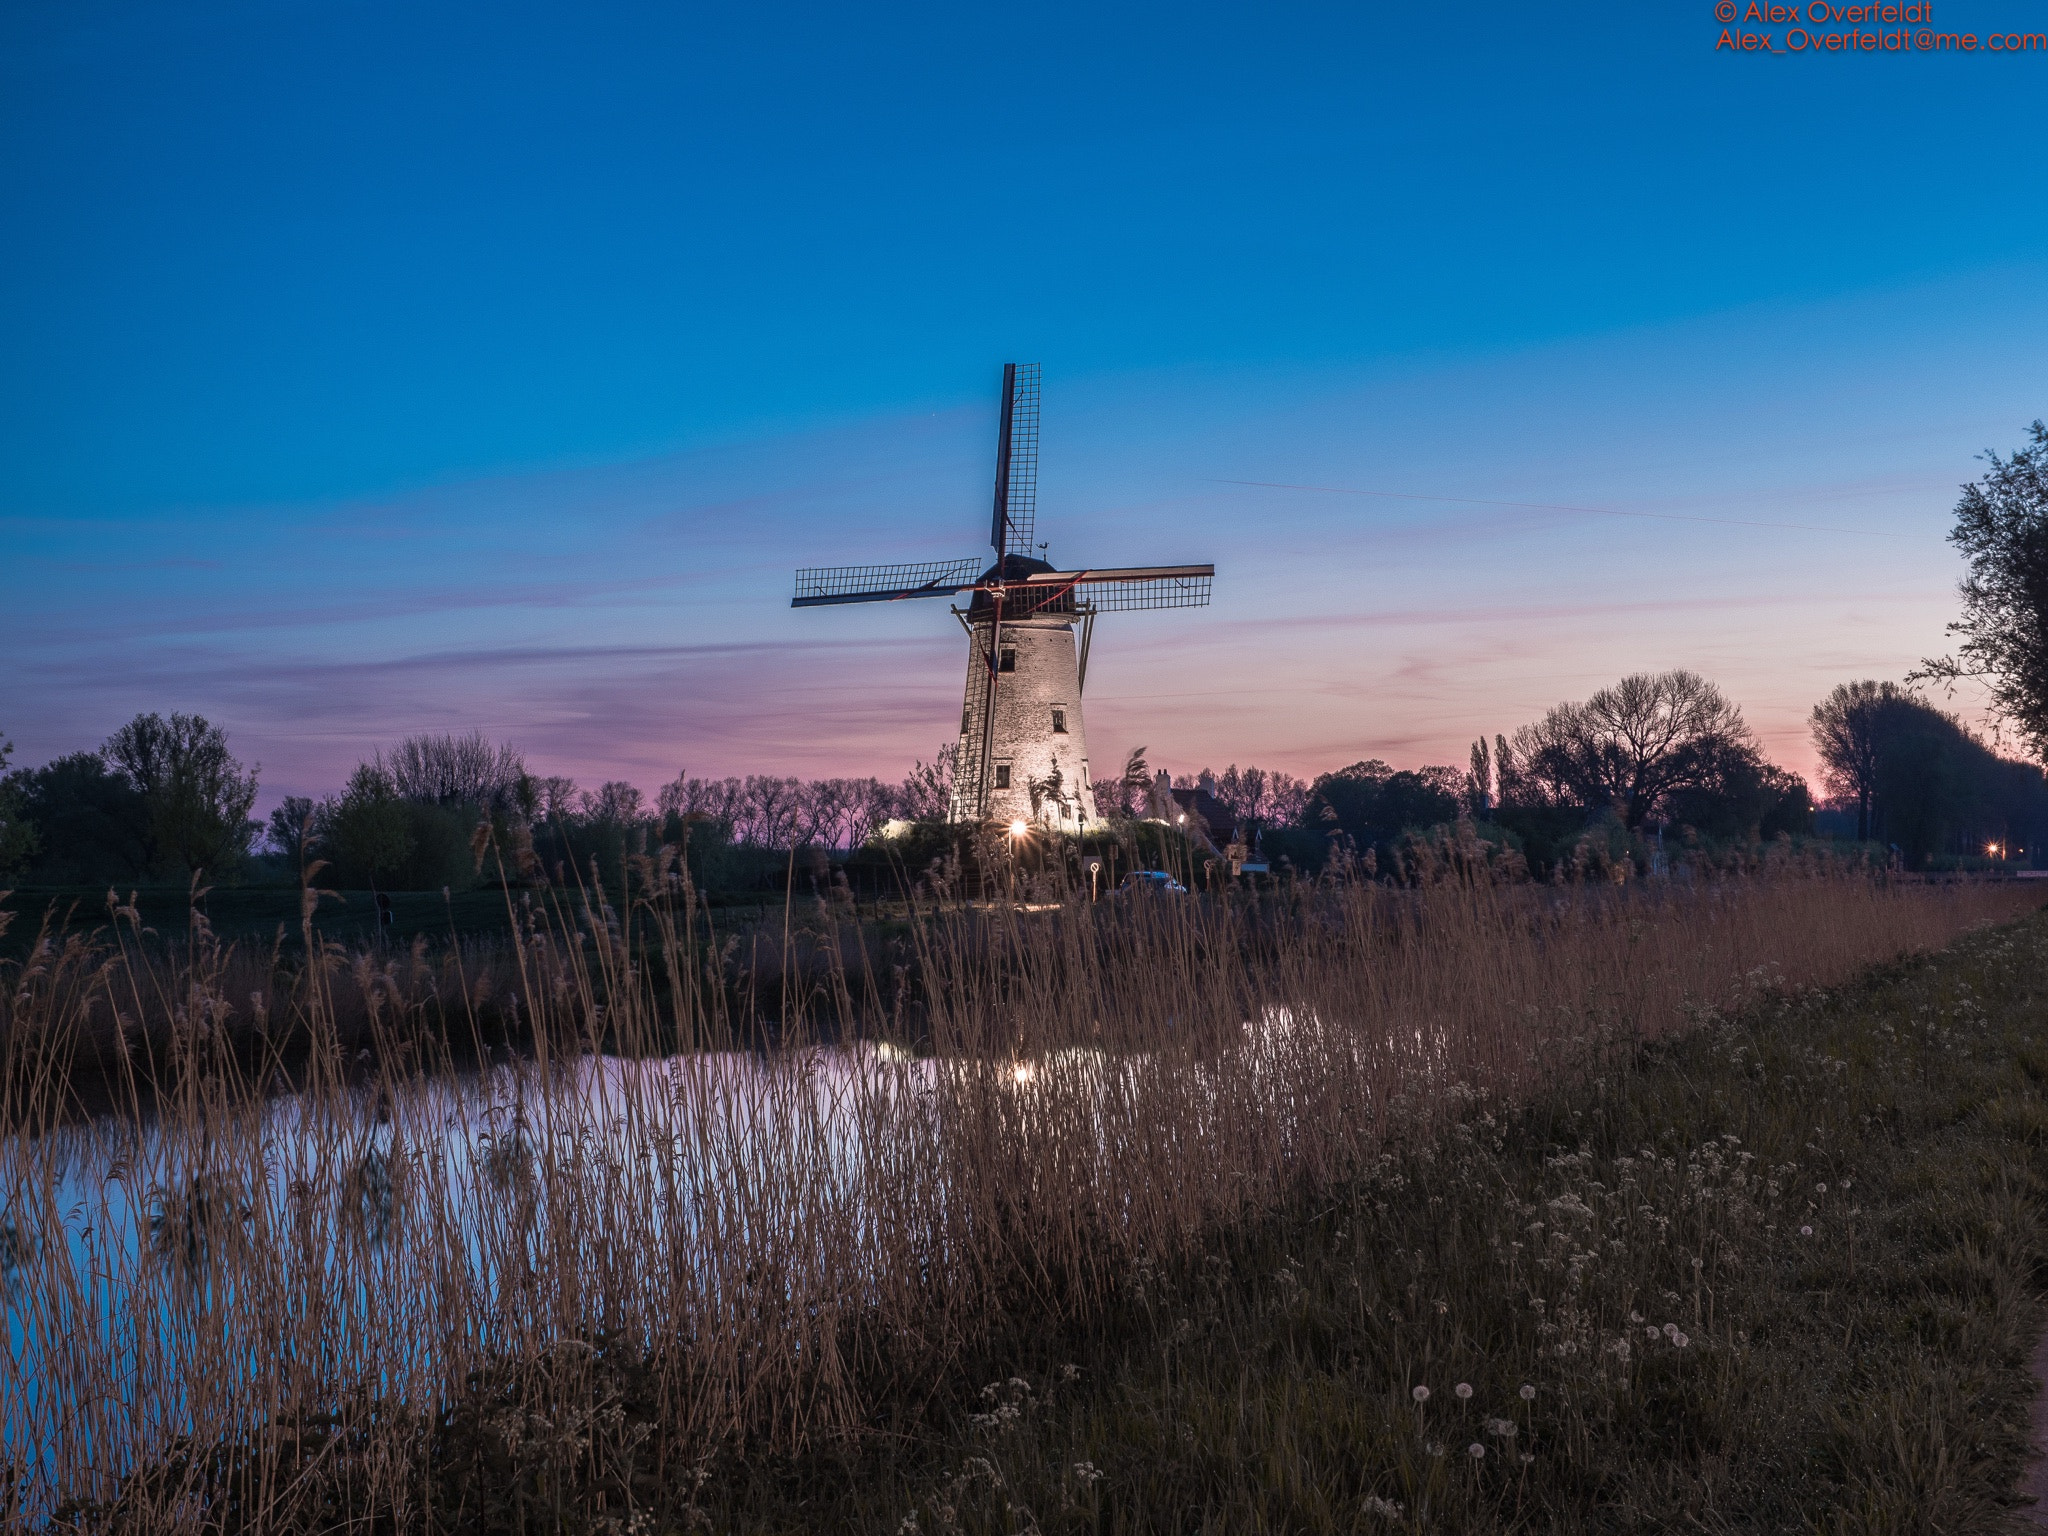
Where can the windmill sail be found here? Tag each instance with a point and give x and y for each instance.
(1016, 510)
(821, 586)
(1120, 590)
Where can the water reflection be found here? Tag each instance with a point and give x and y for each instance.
(397, 1241)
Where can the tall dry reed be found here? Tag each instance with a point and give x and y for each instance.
(286, 1276)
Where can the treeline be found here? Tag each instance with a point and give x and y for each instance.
(1659, 767)
(163, 799)
(1656, 768)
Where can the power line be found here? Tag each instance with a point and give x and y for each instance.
(1549, 506)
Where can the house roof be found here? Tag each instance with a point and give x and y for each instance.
(1215, 815)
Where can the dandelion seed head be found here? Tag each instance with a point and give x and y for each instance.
(1820, 1189)
(1681, 1340)
(1806, 1231)
(1420, 1394)
(1670, 1330)
(1463, 1389)
(1528, 1393)
(1475, 1450)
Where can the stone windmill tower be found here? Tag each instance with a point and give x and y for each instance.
(1023, 750)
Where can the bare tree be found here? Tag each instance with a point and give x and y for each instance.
(769, 811)
(616, 802)
(927, 792)
(1631, 745)
(872, 803)
(1124, 795)
(456, 770)
(1287, 799)
(1243, 792)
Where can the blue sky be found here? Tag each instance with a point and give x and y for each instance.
(372, 369)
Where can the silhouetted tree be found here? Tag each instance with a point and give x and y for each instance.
(1630, 746)
(198, 794)
(2002, 529)
(456, 770)
(17, 832)
(1849, 728)
(927, 790)
(92, 825)
(368, 827)
(1373, 803)
(294, 827)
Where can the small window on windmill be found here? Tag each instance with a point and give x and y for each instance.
(963, 719)
(1002, 775)
(1006, 660)
(1059, 722)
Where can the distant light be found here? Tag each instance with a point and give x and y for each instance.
(1023, 1072)
(1018, 829)
(1183, 816)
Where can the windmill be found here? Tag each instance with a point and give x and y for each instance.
(1023, 751)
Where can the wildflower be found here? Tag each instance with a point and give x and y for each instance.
(1464, 1390)
(1670, 1330)
(1087, 1472)
(1528, 1393)
(1434, 1447)
(1820, 1189)
(1681, 1340)
(1501, 1429)
(1806, 1231)
(1375, 1505)
(1420, 1394)
(1475, 1450)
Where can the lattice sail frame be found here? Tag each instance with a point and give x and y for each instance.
(1016, 509)
(1132, 590)
(821, 585)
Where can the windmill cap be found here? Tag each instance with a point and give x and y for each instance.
(1016, 568)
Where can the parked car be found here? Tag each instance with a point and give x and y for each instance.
(1157, 881)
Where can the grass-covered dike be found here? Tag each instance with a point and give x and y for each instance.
(1782, 1273)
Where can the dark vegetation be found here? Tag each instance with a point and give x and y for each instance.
(1652, 775)
(1779, 1274)
(1611, 1262)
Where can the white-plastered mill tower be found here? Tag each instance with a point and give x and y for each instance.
(1022, 752)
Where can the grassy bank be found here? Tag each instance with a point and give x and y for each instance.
(1161, 1223)
(1781, 1274)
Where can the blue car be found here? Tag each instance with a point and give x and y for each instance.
(1157, 881)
